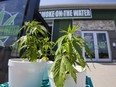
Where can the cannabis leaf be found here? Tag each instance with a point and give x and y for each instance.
(67, 56)
(35, 43)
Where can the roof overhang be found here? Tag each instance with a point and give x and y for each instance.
(86, 5)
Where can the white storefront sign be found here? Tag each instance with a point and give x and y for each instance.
(66, 13)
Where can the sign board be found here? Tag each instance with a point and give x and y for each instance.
(11, 19)
(66, 14)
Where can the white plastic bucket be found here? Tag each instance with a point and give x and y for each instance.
(69, 82)
(25, 74)
(46, 72)
(81, 80)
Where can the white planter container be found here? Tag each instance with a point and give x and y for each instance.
(69, 82)
(25, 74)
(46, 72)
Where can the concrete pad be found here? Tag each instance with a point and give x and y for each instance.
(103, 75)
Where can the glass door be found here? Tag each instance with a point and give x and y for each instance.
(99, 45)
(90, 39)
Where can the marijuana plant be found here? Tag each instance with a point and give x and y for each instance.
(67, 56)
(35, 43)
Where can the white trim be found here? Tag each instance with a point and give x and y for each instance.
(102, 5)
(52, 30)
(52, 25)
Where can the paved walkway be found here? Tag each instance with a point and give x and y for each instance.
(103, 75)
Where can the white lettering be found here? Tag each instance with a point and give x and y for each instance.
(83, 13)
(51, 14)
(67, 13)
(80, 12)
(75, 13)
(47, 14)
(56, 14)
(59, 13)
(88, 13)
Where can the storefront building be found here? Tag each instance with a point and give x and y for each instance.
(96, 24)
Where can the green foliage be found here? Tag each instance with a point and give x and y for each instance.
(46, 48)
(67, 56)
(35, 43)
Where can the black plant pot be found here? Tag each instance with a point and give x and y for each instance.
(5, 55)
